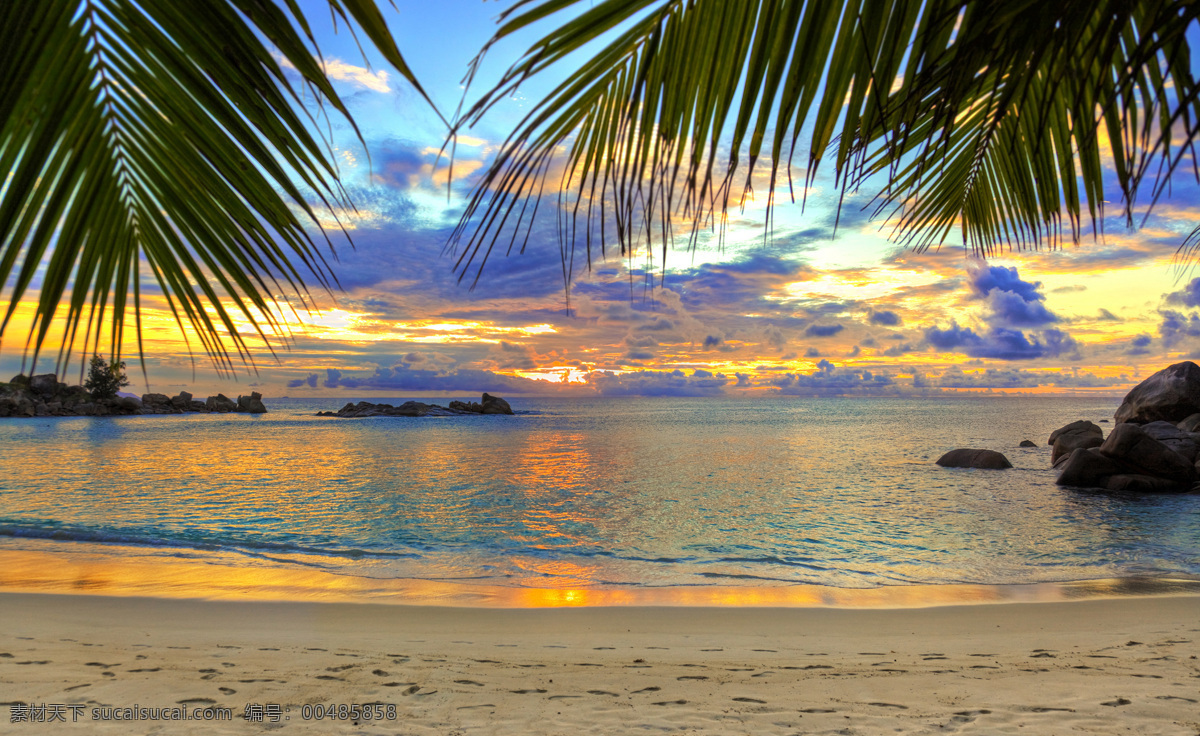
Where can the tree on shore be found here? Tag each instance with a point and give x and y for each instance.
(105, 378)
(147, 134)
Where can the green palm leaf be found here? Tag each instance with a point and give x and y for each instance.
(981, 114)
(163, 136)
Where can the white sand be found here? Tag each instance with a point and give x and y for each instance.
(1101, 666)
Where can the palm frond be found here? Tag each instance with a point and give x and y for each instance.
(167, 137)
(986, 115)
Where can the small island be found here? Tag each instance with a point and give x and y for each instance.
(45, 396)
(488, 404)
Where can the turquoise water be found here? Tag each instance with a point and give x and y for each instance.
(603, 494)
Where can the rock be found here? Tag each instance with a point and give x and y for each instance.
(197, 405)
(1027, 443)
(44, 385)
(220, 403)
(1172, 395)
(182, 402)
(1076, 435)
(1173, 437)
(129, 404)
(1191, 423)
(1088, 468)
(157, 404)
(252, 403)
(20, 380)
(968, 458)
(495, 405)
(472, 407)
(1136, 483)
(1131, 445)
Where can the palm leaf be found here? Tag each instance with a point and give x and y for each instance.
(983, 114)
(164, 137)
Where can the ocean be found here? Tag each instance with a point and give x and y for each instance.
(692, 500)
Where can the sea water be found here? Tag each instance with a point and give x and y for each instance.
(582, 494)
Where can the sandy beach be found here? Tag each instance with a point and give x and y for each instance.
(1097, 666)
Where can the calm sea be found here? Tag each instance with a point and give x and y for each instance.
(591, 495)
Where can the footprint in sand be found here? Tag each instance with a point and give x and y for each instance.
(88, 684)
(671, 702)
(817, 710)
(343, 668)
(411, 690)
(651, 689)
(35, 661)
(1118, 701)
(197, 701)
(227, 690)
(601, 692)
(331, 677)
(1175, 697)
(692, 677)
(889, 705)
(97, 664)
(147, 669)
(535, 691)
(749, 700)
(469, 682)
(379, 673)
(1045, 709)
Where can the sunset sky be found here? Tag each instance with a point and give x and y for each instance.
(802, 312)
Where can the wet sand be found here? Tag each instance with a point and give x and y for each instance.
(1095, 666)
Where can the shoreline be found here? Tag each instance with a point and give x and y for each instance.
(110, 571)
(1096, 666)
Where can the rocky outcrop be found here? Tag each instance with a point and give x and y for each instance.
(489, 405)
(969, 458)
(45, 396)
(1076, 435)
(1171, 395)
(1027, 443)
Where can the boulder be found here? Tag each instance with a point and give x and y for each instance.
(1027, 443)
(1076, 435)
(969, 458)
(129, 404)
(473, 407)
(1173, 437)
(182, 402)
(1137, 483)
(157, 404)
(252, 404)
(1190, 424)
(495, 405)
(1088, 468)
(220, 403)
(20, 380)
(1172, 395)
(1129, 444)
(44, 385)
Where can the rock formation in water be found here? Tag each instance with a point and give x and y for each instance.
(1152, 448)
(45, 396)
(488, 405)
(970, 458)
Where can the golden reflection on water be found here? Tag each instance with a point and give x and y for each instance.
(122, 572)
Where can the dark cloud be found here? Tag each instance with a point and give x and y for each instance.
(884, 317)
(823, 330)
(1108, 316)
(1059, 343)
(812, 353)
(712, 341)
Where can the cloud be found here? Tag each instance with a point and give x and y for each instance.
(310, 381)
(823, 330)
(1176, 327)
(658, 383)
(1139, 345)
(1108, 316)
(1000, 343)
(400, 377)
(829, 380)
(1012, 301)
(884, 317)
(363, 77)
(1189, 296)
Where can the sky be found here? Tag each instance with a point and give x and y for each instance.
(802, 311)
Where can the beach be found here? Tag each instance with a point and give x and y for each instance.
(1116, 665)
